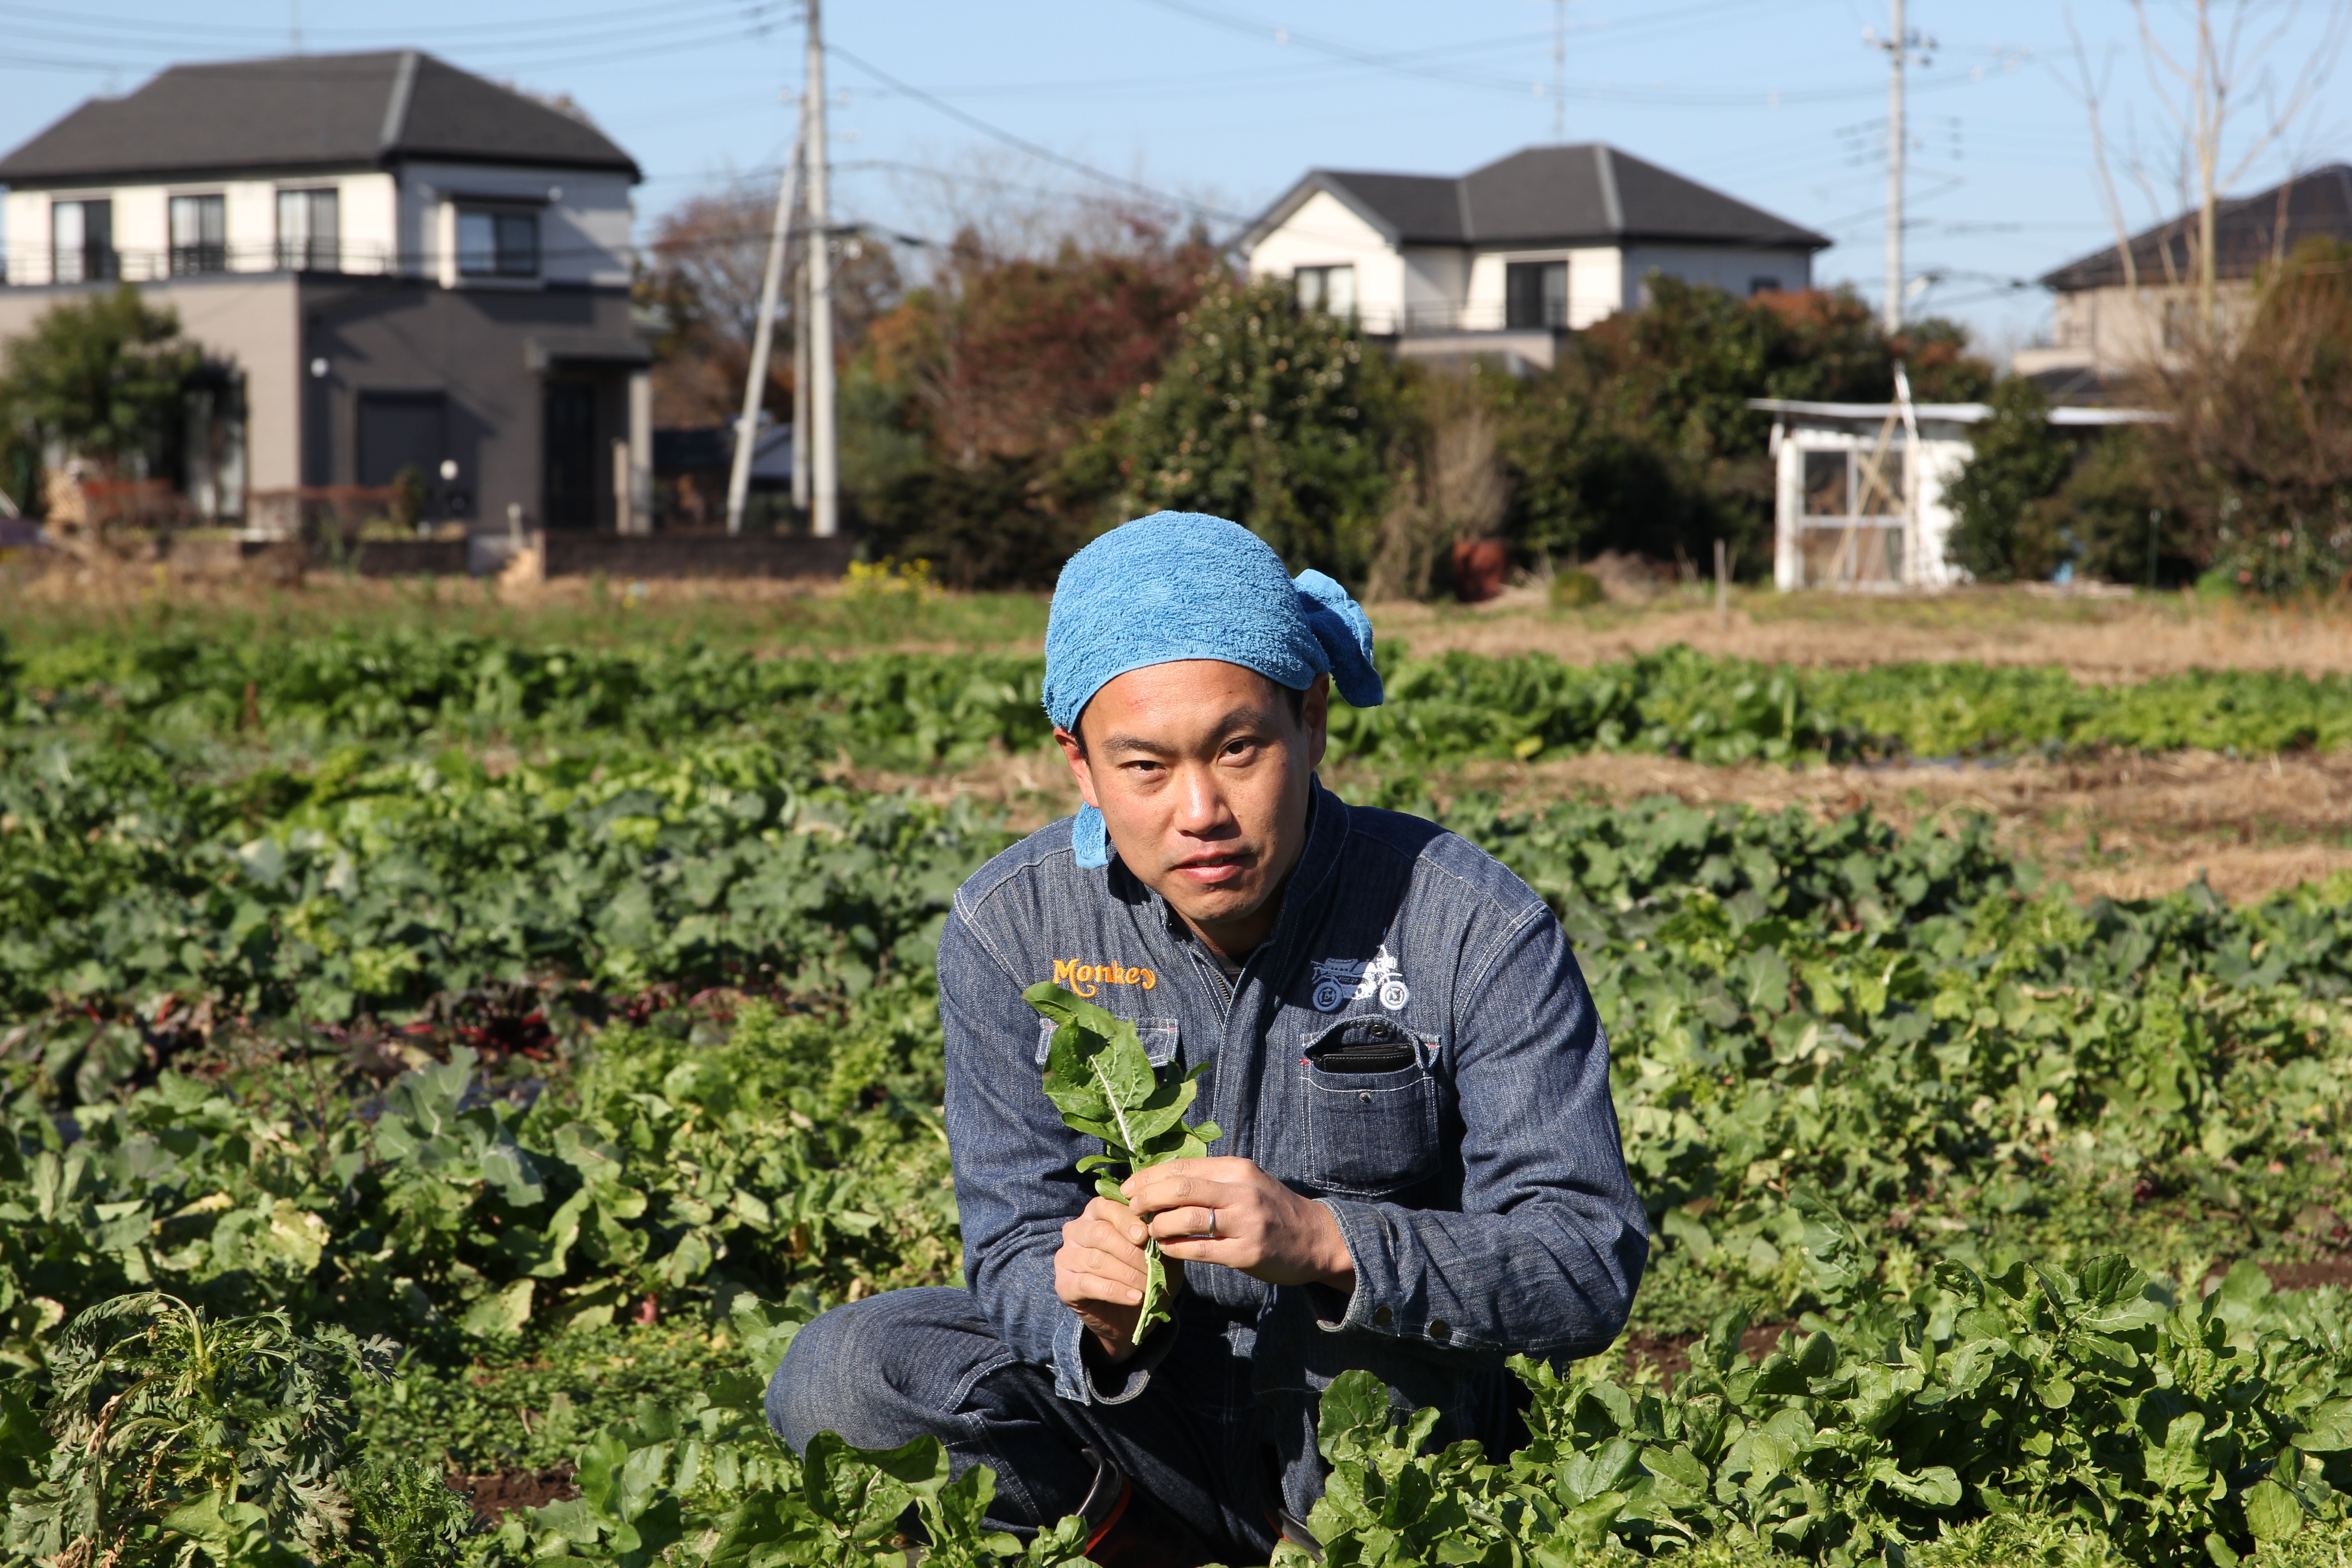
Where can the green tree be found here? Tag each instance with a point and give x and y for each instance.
(2258, 457)
(2115, 521)
(1999, 533)
(102, 376)
(1276, 417)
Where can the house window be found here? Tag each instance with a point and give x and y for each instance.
(310, 231)
(493, 243)
(1762, 286)
(81, 242)
(2179, 324)
(199, 234)
(1331, 290)
(1534, 294)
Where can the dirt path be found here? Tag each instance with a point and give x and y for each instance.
(2131, 827)
(2098, 639)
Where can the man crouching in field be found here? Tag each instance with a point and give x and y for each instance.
(1419, 1173)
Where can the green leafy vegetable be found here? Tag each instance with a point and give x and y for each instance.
(1099, 1076)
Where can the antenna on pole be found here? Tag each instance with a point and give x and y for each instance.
(1900, 45)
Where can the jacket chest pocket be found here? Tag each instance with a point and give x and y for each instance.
(1372, 1108)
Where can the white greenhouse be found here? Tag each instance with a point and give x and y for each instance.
(1859, 488)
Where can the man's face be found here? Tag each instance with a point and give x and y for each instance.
(1202, 776)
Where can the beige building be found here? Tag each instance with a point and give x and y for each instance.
(388, 263)
(2106, 323)
(1500, 260)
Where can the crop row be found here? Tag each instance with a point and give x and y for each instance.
(132, 889)
(921, 711)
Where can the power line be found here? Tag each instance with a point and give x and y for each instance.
(1023, 145)
(566, 26)
(571, 46)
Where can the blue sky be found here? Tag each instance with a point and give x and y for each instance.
(1224, 102)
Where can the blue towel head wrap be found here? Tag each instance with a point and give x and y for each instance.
(1182, 585)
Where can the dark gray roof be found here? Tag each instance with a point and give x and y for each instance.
(2248, 231)
(308, 112)
(1545, 195)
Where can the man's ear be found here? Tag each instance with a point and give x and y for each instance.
(1315, 714)
(1075, 756)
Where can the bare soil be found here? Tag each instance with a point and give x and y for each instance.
(496, 1494)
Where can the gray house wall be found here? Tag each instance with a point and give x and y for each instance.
(491, 353)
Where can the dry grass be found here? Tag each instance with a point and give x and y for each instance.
(2105, 641)
(770, 617)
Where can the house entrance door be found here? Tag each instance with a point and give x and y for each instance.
(571, 471)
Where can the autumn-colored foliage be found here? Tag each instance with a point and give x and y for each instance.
(704, 282)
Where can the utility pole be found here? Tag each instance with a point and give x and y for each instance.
(825, 487)
(1895, 133)
(1898, 46)
(763, 337)
(799, 388)
(1558, 71)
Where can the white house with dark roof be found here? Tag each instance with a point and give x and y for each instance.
(390, 263)
(2107, 323)
(1499, 259)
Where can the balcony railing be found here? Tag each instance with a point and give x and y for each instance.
(1438, 320)
(31, 266)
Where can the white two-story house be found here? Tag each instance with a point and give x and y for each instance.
(388, 262)
(1499, 261)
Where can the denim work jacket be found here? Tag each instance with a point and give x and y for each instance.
(1414, 1045)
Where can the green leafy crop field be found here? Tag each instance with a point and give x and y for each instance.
(437, 1054)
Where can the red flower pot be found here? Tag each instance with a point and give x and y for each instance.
(1478, 568)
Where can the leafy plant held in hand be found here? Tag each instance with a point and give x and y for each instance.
(1099, 1076)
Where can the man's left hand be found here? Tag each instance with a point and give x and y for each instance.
(1228, 1211)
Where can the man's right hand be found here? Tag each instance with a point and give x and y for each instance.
(1099, 1274)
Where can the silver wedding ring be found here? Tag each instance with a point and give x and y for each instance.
(1213, 1225)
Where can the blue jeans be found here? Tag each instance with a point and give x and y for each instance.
(925, 1363)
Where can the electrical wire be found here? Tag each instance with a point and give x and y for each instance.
(566, 26)
(1035, 150)
(1517, 85)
